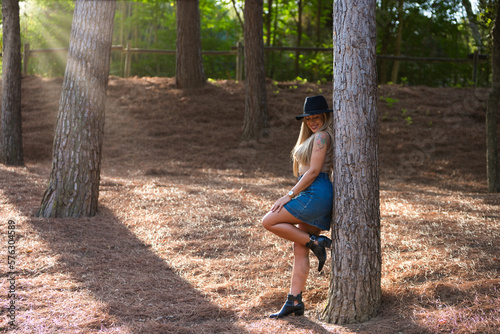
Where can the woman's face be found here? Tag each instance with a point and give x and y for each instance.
(315, 122)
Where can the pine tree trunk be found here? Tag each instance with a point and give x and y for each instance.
(189, 71)
(11, 141)
(492, 110)
(355, 290)
(255, 121)
(384, 29)
(299, 37)
(318, 24)
(73, 189)
(399, 40)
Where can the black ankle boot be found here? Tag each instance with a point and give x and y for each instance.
(289, 307)
(319, 248)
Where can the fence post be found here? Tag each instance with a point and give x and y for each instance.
(128, 58)
(26, 57)
(475, 64)
(239, 61)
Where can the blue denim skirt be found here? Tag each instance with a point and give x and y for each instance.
(314, 205)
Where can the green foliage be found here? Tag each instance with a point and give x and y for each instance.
(46, 24)
(431, 28)
(389, 101)
(406, 117)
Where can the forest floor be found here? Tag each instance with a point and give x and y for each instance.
(177, 245)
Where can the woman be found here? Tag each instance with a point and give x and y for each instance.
(306, 210)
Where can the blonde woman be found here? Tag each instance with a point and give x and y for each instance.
(306, 209)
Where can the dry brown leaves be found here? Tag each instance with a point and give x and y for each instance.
(177, 246)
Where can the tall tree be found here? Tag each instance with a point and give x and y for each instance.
(492, 110)
(235, 7)
(399, 40)
(11, 141)
(299, 37)
(268, 19)
(318, 23)
(355, 291)
(385, 26)
(73, 188)
(255, 122)
(473, 24)
(189, 63)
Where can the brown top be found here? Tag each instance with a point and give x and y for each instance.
(327, 164)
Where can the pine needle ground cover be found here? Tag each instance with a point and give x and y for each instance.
(177, 246)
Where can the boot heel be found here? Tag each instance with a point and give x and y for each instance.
(289, 307)
(326, 241)
(319, 248)
(300, 311)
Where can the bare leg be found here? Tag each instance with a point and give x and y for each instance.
(283, 225)
(301, 261)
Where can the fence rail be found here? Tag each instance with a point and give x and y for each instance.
(474, 58)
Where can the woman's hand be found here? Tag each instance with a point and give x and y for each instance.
(280, 203)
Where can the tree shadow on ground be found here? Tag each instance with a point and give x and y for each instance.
(140, 290)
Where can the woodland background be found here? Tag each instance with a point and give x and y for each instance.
(416, 28)
(177, 244)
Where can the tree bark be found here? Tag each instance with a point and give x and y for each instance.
(189, 71)
(11, 141)
(492, 109)
(255, 121)
(73, 188)
(355, 290)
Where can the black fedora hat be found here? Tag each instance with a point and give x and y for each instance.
(314, 105)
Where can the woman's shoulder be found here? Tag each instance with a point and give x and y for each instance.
(324, 136)
(321, 139)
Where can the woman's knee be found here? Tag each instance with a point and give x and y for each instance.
(300, 250)
(267, 222)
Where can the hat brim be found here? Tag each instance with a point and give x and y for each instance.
(310, 113)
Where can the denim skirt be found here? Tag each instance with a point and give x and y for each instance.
(314, 205)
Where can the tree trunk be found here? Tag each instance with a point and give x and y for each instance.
(473, 25)
(399, 40)
(235, 7)
(355, 290)
(255, 122)
(318, 23)
(268, 20)
(384, 29)
(492, 109)
(189, 71)
(299, 37)
(11, 141)
(73, 188)
(271, 36)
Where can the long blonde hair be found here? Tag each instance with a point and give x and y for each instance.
(301, 153)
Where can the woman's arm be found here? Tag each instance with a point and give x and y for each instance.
(320, 146)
